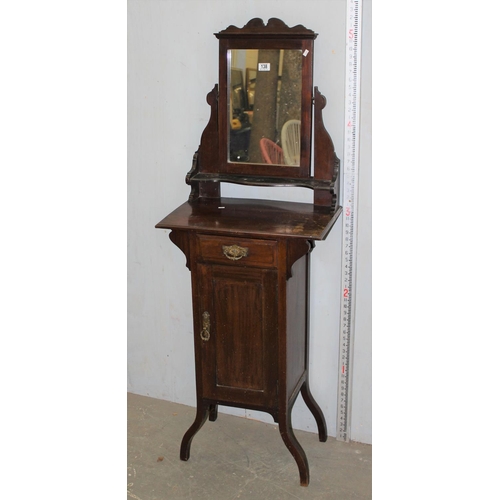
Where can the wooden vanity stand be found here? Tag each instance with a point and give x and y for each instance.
(250, 259)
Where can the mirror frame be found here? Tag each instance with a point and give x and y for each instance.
(211, 167)
(275, 35)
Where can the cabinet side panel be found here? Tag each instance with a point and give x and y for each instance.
(296, 320)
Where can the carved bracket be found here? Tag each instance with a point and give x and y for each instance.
(181, 240)
(295, 250)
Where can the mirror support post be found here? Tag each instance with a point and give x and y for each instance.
(206, 159)
(326, 162)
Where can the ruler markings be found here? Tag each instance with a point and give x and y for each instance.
(349, 233)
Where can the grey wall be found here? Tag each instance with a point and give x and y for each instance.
(172, 65)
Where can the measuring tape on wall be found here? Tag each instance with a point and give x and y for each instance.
(349, 228)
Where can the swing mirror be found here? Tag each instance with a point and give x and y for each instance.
(265, 99)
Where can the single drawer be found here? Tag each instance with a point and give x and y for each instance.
(238, 251)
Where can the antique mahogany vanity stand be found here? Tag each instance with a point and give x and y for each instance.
(249, 259)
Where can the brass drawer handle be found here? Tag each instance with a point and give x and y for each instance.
(234, 252)
(205, 332)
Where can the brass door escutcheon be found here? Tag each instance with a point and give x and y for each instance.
(234, 252)
(205, 332)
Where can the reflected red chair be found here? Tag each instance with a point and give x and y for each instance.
(271, 152)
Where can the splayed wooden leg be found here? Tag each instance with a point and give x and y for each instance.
(201, 418)
(286, 431)
(315, 410)
(213, 412)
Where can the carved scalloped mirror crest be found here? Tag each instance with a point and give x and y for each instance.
(260, 130)
(274, 27)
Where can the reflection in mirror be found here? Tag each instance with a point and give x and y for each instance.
(265, 92)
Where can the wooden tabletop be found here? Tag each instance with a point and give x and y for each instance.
(245, 217)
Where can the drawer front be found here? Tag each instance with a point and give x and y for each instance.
(238, 251)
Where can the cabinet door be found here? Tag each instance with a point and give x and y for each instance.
(239, 360)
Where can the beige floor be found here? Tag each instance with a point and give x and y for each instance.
(234, 458)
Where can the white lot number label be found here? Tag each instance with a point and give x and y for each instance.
(264, 66)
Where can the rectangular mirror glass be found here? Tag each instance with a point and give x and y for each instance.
(264, 106)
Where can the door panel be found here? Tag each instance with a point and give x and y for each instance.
(240, 358)
(240, 339)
